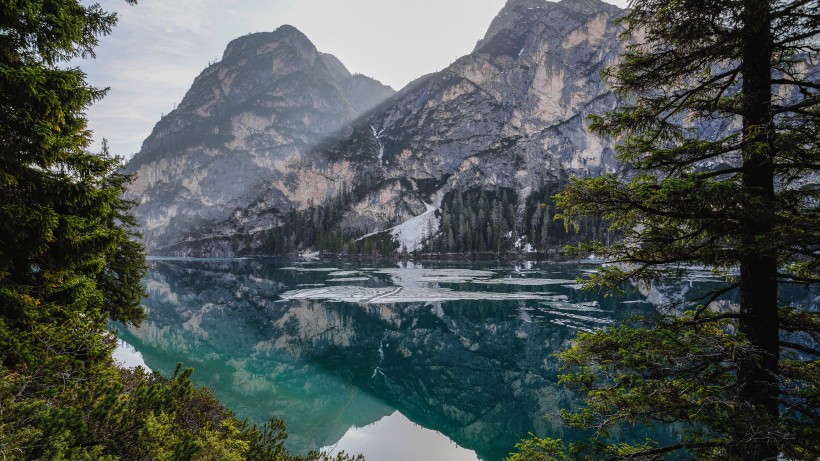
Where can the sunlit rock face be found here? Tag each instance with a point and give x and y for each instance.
(513, 113)
(244, 126)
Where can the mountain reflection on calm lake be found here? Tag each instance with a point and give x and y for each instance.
(396, 360)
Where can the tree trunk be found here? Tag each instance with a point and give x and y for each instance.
(757, 411)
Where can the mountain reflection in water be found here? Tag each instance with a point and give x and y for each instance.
(465, 350)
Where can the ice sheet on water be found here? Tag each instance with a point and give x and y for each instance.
(525, 281)
(567, 306)
(573, 286)
(445, 279)
(554, 297)
(584, 318)
(342, 293)
(343, 273)
(311, 269)
(572, 325)
(395, 295)
(413, 275)
(350, 279)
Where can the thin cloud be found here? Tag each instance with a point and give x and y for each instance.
(160, 46)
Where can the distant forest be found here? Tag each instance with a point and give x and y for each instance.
(471, 222)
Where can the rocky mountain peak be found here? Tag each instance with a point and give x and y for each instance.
(335, 66)
(261, 42)
(279, 138)
(513, 15)
(245, 119)
(519, 16)
(589, 7)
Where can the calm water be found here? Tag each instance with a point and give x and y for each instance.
(436, 361)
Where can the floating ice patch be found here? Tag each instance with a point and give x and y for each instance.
(445, 279)
(573, 286)
(524, 281)
(412, 277)
(395, 295)
(572, 325)
(351, 294)
(311, 285)
(343, 273)
(311, 269)
(554, 297)
(466, 273)
(577, 307)
(350, 279)
(584, 318)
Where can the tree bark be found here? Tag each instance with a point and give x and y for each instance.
(755, 434)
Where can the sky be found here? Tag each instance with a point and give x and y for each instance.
(159, 46)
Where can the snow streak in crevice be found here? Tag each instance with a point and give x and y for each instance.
(378, 136)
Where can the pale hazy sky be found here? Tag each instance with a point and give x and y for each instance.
(160, 46)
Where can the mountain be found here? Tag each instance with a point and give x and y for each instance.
(509, 118)
(269, 99)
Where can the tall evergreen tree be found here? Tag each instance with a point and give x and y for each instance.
(738, 383)
(69, 264)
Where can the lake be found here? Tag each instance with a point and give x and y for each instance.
(395, 360)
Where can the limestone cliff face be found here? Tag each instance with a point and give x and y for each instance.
(510, 114)
(244, 124)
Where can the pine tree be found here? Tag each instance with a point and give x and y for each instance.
(68, 263)
(744, 200)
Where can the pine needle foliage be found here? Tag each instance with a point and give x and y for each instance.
(720, 134)
(70, 263)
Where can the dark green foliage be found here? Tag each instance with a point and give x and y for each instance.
(69, 264)
(474, 221)
(317, 228)
(740, 382)
(482, 221)
(67, 261)
(137, 416)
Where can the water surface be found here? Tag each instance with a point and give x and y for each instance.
(451, 358)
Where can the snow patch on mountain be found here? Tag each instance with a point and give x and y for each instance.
(412, 233)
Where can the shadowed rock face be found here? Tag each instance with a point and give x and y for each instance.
(510, 114)
(244, 123)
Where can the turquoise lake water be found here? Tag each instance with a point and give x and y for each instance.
(397, 360)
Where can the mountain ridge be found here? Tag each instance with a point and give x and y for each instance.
(271, 97)
(511, 115)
